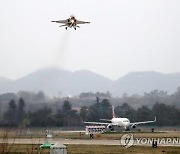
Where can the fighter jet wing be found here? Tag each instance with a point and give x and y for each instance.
(81, 22)
(61, 21)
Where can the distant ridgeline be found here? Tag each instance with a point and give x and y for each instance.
(56, 82)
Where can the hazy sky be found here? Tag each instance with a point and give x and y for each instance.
(124, 36)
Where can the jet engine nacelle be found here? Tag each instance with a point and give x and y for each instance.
(110, 127)
(133, 126)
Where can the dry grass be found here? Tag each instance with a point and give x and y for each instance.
(84, 149)
(27, 149)
(97, 149)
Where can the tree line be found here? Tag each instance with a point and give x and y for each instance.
(48, 116)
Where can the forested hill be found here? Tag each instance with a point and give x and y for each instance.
(60, 82)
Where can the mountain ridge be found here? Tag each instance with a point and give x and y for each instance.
(54, 81)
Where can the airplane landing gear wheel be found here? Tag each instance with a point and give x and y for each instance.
(66, 28)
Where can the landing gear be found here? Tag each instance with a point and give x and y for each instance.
(75, 28)
(91, 136)
(112, 129)
(66, 28)
(127, 128)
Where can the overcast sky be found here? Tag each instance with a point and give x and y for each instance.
(123, 36)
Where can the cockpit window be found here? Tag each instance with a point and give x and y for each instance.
(126, 121)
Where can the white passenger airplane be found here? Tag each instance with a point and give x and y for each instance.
(70, 22)
(120, 122)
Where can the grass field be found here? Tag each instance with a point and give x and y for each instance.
(95, 149)
(6, 134)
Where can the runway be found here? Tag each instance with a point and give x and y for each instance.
(63, 141)
(83, 142)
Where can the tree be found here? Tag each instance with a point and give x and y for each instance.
(166, 114)
(144, 113)
(10, 116)
(68, 116)
(105, 109)
(20, 111)
(125, 111)
(40, 96)
(42, 118)
(84, 113)
(66, 106)
(94, 112)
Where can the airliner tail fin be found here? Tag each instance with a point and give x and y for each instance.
(113, 113)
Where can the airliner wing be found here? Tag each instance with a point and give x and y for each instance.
(61, 21)
(105, 119)
(143, 122)
(98, 123)
(101, 123)
(81, 22)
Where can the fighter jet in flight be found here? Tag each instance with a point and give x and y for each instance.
(71, 22)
